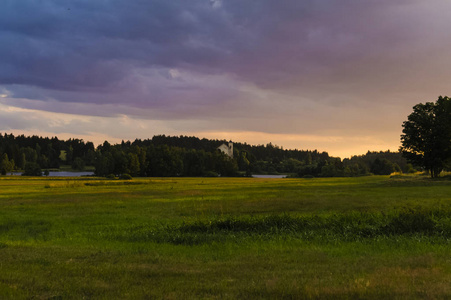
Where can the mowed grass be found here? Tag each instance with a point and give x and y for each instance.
(225, 238)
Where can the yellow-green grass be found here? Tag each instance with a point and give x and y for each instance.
(228, 238)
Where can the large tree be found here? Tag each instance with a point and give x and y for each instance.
(426, 138)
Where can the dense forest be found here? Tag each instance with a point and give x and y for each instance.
(184, 156)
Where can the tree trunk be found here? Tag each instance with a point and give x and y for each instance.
(435, 172)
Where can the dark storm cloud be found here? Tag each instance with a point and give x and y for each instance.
(92, 45)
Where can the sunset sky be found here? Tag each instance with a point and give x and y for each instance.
(336, 76)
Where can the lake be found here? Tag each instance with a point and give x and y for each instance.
(63, 174)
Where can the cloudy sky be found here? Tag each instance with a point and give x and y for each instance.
(334, 75)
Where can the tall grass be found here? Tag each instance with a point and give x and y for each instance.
(351, 226)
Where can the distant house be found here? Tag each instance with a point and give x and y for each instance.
(227, 149)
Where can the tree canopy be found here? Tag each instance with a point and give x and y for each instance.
(426, 138)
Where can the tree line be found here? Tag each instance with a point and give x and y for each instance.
(33, 153)
(185, 156)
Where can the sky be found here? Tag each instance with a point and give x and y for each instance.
(338, 76)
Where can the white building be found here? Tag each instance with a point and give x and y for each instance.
(227, 149)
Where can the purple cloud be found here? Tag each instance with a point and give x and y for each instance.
(86, 45)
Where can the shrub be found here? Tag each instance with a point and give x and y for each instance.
(210, 174)
(125, 176)
(32, 169)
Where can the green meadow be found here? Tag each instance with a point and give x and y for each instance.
(372, 237)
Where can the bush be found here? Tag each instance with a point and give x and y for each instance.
(110, 176)
(210, 174)
(125, 176)
(383, 167)
(32, 169)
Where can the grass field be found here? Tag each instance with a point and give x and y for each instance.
(209, 238)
